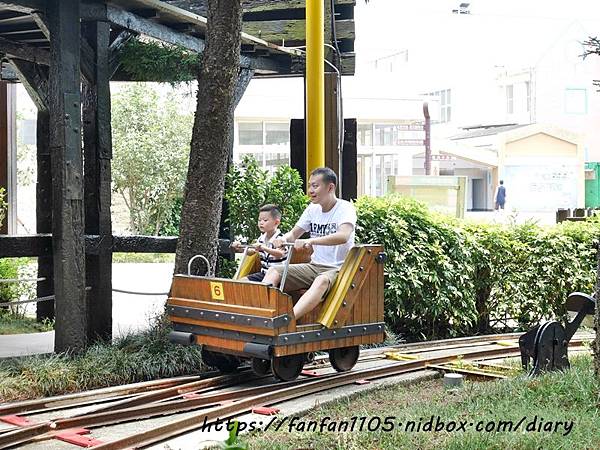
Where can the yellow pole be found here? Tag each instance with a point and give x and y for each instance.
(315, 86)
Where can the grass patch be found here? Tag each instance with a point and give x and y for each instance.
(569, 396)
(10, 324)
(136, 357)
(143, 257)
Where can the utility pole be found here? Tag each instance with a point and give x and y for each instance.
(427, 128)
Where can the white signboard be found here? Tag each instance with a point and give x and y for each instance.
(541, 188)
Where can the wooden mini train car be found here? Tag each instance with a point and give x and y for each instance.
(234, 319)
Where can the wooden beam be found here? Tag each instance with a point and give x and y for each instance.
(41, 245)
(135, 23)
(156, 30)
(35, 80)
(25, 6)
(67, 175)
(348, 62)
(278, 7)
(115, 49)
(87, 54)
(293, 32)
(24, 51)
(42, 24)
(97, 139)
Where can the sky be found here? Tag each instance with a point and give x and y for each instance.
(512, 28)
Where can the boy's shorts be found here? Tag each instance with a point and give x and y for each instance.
(301, 276)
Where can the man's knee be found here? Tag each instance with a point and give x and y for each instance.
(321, 283)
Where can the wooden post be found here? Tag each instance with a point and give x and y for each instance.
(298, 148)
(348, 165)
(97, 139)
(43, 213)
(65, 147)
(4, 160)
(332, 156)
(348, 174)
(8, 155)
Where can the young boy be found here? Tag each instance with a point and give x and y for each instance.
(269, 218)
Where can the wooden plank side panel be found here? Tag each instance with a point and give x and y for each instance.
(360, 278)
(234, 292)
(224, 326)
(222, 307)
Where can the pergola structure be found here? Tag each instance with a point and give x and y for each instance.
(65, 53)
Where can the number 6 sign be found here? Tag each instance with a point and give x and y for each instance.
(216, 291)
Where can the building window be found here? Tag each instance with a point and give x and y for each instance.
(250, 133)
(267, 142)
(277, 133)
(510, 107)
(384, 135)
(528, 96)
(364, 134)
(575, 101)
(445, 97)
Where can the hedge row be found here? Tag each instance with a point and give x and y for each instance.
(446, 277)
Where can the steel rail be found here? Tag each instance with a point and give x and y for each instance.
(129, 409)
(177, 391)
(196, 421)
(121, 393)
(87, 397)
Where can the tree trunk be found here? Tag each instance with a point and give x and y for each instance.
(211, 136)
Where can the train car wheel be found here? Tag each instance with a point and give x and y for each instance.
(225, 363)
(343, 358)
(261, 366)
(287, 368)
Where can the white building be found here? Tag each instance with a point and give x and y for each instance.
(478, 69)
(389, 125)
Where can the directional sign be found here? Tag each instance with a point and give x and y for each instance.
(443, 158)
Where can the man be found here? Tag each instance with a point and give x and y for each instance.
(330, 222)
(500, 196)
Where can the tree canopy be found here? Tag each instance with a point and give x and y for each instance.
(151, 139)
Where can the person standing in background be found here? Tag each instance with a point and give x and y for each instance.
(500, 197)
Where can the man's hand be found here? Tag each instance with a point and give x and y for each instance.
(236, 246)
(303, 243)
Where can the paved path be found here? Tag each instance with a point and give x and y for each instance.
(130, 312)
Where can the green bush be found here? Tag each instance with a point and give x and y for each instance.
(16, 268)
(446, 277)
(3, 206)
(249, 187)
(429, 289)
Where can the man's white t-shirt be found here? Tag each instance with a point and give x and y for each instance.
(319, 223)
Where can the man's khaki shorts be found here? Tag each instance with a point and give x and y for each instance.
(301, 276)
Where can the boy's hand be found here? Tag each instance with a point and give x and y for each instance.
(278, 243)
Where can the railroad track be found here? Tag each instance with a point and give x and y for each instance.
(220, 397)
